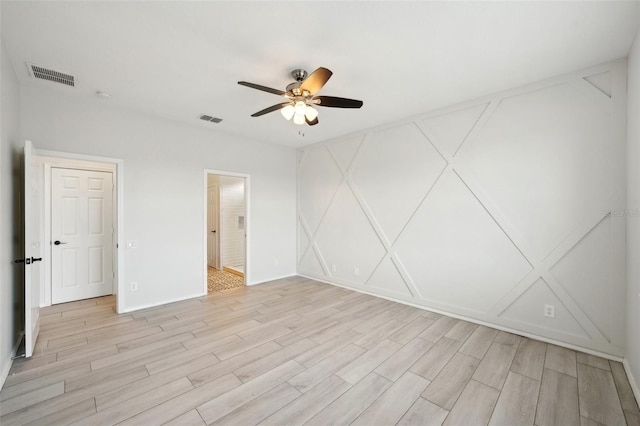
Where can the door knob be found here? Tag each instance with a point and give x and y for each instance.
(57, 242)
(213, 231)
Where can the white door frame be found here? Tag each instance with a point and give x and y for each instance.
(88, 162)
(247, 222)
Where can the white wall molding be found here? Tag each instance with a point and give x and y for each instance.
(490, 209)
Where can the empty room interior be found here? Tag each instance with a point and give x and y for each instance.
(318, 212)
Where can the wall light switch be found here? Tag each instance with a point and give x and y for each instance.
(356, 271)
(134, 286)
(333, 268)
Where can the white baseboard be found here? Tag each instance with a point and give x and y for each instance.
(272, 279)
(166, 302)
(477, 321)
(632, 380)
(4, 373)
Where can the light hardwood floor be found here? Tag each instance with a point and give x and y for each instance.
(296, 351)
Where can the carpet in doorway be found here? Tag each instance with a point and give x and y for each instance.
(220, 280)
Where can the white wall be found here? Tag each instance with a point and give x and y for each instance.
(489, 210)
(164, 195)
(633, 215)
(10, 229)
(232, 206)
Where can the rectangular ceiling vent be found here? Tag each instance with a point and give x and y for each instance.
(43, 73)
(210, 118)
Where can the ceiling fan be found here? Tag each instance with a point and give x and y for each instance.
(301, 95)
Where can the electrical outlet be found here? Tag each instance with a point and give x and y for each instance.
(356, 271)
(333, 268)
(549, 311)
(134, 286)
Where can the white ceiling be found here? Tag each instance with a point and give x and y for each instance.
(179, 59)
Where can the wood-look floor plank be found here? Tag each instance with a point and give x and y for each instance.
(389, 408)
(494, 367)
(461, 331)
(212, 372)
(149, 383)
(562, 360)
(632, 419)
(475, 405)
(423, 413)
(252, 370)
(627, 399)
(396, 365)
(445, 389)
(186, 402)
(191, 418)
(348, 406)
(325, 368)
(40, 382)
(558, 400)
(237, 397)
(33, 397)
(529, 359)
(508, 339)
(309, 404)
(411, 330)
(430, 364)
(323, 350)
(68, 415)
(598, 396)
(438, 329)
(478, 343)
(593, 361)
(131, 407)
(517, 402)
(360, 367)
(261, 407)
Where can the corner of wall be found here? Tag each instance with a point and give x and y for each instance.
(632, 352)
(10, 281)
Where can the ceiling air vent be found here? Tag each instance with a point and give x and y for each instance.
(210, 118)
(51, 75)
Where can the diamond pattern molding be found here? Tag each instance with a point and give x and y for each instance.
(488, 210)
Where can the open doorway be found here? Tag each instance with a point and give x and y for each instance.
(226, 231)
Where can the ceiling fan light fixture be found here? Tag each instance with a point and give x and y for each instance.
(288, 111)
(298, 118)
(300, 108)
(311, 113)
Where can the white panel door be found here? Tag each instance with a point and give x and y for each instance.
(212, 224)
(32, 247)
(81, 234)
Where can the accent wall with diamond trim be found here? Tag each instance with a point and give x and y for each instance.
(492, 210)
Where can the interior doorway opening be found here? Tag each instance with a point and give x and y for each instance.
(226, 231)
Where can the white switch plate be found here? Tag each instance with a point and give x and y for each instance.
(333, 268)
(134, 286)
(356, 271)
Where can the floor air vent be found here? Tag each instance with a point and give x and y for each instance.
(210, 118)
(51, 75)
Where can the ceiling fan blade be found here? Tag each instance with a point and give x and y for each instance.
(263, 88)
(334, 102)
(314, 82)
(270, 109)
(311, 122)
